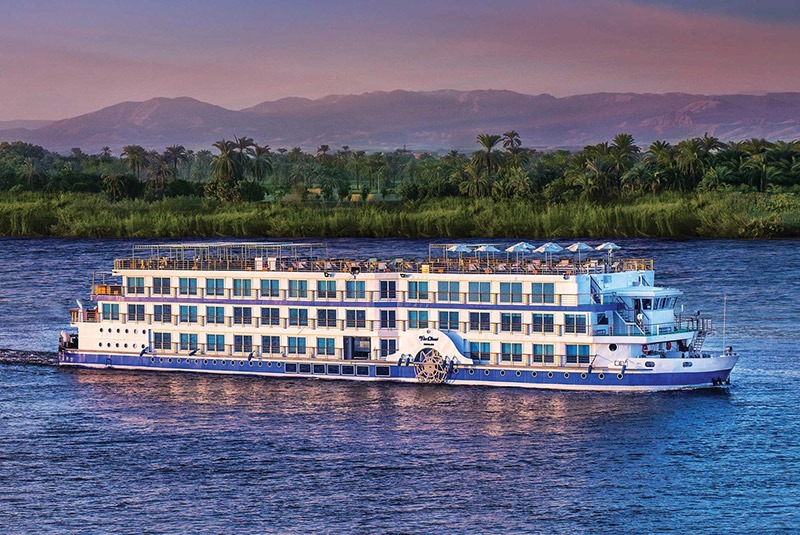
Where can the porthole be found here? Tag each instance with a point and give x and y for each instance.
(601, 376)
(518, 373)
(101, 344)
(269, 365)
(135, 331)
(241, 363)
(214, 362)
(485, 372)
(566, 375)
(117, 331)
(125, 345)
(502, 373)
(179, 361)
(205, 361)
(223, 362)
(101, 329)
(152, 359)
(583, 376)
(650, 364)
(251, 364)
(533, 374)
(619, 376)
(278, 364)
(550, 375)
(108, 344)
(126, 331)
(142, 346)
(196, 361)
(612, 347)
(260, 364)
(169, 360)
(472, 372)
(161, 359)
(116, 345)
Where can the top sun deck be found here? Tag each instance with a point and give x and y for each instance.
(312, 257)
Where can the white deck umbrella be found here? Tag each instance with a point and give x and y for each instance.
(549, 248)
(580, 247)
(610, 247)
(460, 249)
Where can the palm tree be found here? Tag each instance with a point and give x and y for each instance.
(176, 154)
(224, 166)
(159, 171)
(260, 161)
(474, 182)
(490, 158)
(135, 156)
(511, 141)
(113, 184)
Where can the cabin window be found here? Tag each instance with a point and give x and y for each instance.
(388, 319)
(348, 369)
(511, 292)
(448, 321)
(356, 318)
(325, 346)
(111, 311)
(577, 354)
(162, 341)
(298, 288)
(326, 317)
(543, 354)
(270, 288)
(511, 322)
(319, 369)
(298, 317)
(479, 321)
(333, 369)
(543, 323)
(242, 315)
(187, 286)
(161, 286)
(242, 287)
(162, 313)
(418, 290)
(355, 289)
(270, 344)
(215, 315)
(575, 323)
(135, 312)
(297, 345)
(510, 352)
(326, 289)
(362, 370)
(242, 343)
(215, 342)
(479, 350)
(270, 316)
(215, 287)
(188, 314)
(188, 342)
(417, 319)
(448, 291)
(543, 293)
(388, 289)
(388, 347)
(291, 367)
(647, 304)
(480, 292)
(382, 371)
(135, 285)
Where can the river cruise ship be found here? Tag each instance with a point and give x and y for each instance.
(465, 315)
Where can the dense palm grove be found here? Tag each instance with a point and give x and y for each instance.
(502, 168)
(697, 187)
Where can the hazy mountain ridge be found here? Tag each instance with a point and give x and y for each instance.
(433, 120)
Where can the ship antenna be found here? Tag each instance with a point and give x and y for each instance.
(724, 319)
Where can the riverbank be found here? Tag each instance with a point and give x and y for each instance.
(711, 215)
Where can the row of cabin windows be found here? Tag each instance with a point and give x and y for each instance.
(296, 345)
(298, 317)
(478, 292)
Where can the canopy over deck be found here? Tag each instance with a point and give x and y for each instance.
(204, 251)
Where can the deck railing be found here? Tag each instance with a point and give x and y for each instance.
(449, 265)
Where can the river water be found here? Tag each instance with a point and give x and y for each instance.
(86, 451)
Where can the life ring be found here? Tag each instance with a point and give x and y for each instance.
(644, 347)
(669, 345)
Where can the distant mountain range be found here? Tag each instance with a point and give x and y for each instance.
(435, 120)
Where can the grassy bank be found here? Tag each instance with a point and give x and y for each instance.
(728, 215)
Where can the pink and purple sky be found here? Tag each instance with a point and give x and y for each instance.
(60, 59)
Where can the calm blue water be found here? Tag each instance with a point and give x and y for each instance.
(86, 452)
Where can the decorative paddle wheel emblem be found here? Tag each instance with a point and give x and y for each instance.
(429, 367)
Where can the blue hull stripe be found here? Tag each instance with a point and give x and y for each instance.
(365, 370)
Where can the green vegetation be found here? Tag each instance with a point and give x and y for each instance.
(698, 187)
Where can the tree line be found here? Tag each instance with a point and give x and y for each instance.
(501, 168)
